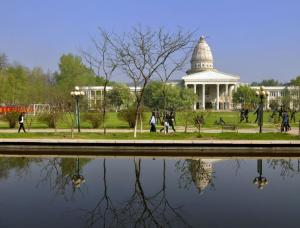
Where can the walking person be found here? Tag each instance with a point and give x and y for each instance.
(152, 122)
(246, 112)
(21, 122)
(285, 122)
(165, 123)
(242, 115)
(171, 121)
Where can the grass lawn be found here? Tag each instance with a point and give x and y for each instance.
(156, 136)
(114, 122)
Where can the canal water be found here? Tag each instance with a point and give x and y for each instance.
(143, 192)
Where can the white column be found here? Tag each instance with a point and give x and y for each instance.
(226, 97)
(195, 92)
(218, 97)
(203, 96)
(89, 98)
(231, 87)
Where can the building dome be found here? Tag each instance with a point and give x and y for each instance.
(202, 58)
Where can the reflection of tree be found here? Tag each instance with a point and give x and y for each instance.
(140, 210)
(288, 167)
(58, 173)
(104, 211)
(19, 164)
(237, 164)
(198, 172)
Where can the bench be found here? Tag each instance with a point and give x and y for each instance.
(231, 127)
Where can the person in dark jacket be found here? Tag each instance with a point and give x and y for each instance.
(285, 122)
(171, 120)
(21, 122)
(152, 122)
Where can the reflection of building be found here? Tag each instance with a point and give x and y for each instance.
(202, 172)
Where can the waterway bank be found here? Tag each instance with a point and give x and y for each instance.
(223, 148)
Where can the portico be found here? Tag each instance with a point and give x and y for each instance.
(210, 95)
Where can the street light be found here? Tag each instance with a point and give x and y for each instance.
(260, 181)
(261, 93)
(77, 94)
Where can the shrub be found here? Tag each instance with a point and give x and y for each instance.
(128, 115)
(94, 118)
(11, 118)
(50, 119)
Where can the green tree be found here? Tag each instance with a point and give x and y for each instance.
(72, 72)
(38, 87)
(285, 98)
(295, 92)
(268, 82)
(161, 96)
(16, 85)
(245, 96)
(187, 99)
(120, 96)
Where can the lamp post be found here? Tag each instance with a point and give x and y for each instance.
(77, 94)
(261, 93)
(260, 181)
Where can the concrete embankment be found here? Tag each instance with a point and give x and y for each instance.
(221, 148)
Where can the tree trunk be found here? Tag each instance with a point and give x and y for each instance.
(136, 121)
(141, 121)
(72, 132)
(104, 108)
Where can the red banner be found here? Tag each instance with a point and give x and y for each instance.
(5, 109)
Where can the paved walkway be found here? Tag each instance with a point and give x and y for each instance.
(178, 129)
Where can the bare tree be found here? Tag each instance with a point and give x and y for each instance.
(143, 52)
(103, 64)
(3, 62)
(170, 67)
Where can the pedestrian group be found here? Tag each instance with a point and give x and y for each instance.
(167, 121)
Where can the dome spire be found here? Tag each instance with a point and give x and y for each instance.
(202, 58)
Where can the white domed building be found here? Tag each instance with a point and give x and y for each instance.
(213, 88)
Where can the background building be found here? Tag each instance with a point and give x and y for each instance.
(213, 88)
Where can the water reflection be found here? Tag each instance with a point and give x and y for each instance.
(77, 178)
(61, 174)
(137, 192)
(197, 171)
(140, 209)
(288, 167)
(260, 181)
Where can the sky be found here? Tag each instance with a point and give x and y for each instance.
(255, 39)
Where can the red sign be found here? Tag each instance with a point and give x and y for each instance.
(5, 109)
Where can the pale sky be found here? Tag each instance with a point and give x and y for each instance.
(256, 39)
